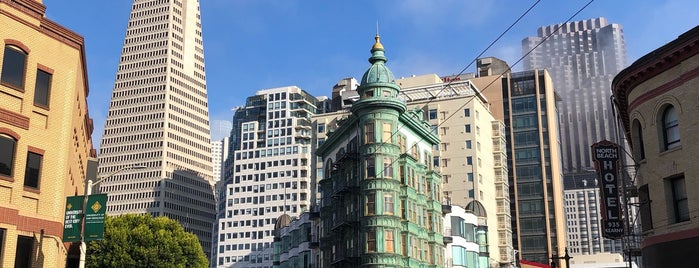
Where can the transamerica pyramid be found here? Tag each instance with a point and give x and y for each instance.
(155, 152)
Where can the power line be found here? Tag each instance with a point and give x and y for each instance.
(557, 28)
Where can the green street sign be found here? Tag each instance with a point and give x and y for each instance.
(73, 219)
(94, 217)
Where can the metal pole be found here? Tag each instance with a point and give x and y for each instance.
(83, 246)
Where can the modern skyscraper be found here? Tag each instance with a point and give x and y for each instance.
(158, 118)
(266, 175)
(582, 57)
(45, 135)
(528, 107)
(381, 196)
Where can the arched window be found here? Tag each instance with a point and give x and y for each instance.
(671, 128)
(7, 155)
(637, 138)
(13, 67)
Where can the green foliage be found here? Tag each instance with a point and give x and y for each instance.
(143, 241)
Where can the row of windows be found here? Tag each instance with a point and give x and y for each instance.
(32, 171)
(14, 67)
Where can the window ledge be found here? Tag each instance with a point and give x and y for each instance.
(32, 190)
(6, 178)
(671, 150)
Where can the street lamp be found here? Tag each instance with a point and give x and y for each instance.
(88, 192)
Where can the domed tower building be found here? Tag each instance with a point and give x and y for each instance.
(380, 196)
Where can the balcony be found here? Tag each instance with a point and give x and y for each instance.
(448, 240)
(344, 220)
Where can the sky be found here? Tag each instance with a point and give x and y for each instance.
(250, 45)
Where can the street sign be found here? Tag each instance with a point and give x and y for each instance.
(73, 218)
(606, 157)
(94, 217)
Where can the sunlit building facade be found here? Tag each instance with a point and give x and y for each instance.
(45, 134)
(158, 118)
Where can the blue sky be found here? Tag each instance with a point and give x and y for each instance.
(251, 45)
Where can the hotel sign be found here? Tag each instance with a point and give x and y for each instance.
(606, 157)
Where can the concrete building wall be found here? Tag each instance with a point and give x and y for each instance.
(268, 174)
(33, 198)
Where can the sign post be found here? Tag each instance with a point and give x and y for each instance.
(73, 219)
(606, 157)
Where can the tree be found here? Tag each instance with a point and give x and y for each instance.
(143, 241)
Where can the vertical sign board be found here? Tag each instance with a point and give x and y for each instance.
(94, 217)
(72, 223)
(606, 157)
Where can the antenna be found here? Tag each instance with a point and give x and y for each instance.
(377, 27)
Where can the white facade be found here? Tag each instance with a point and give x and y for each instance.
(464, 233)
(158, 118)
(268, 175)
(219, 153)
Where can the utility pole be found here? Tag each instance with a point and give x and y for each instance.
(565, 257)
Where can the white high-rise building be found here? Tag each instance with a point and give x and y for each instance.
(267, 174)
(582, 57)
(582, 209)
(219, 152)
(158, 118)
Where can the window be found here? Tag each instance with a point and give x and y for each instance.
(637, 139)
(402, 144)
(467, 112)
(644, 209)
(433, 114)
(13, 67)
(370, 203)
(671, 129)
(388, 204)
(321, 128)
(386, 137)
(369, 132)
(680, 205)
(468, 144)
(32, 173)
(469, 160)
(7, 155)
(370, 167)
(467, 128)
(42, 88)
(387, 167)
(371, 241)
(388, 236)
(23, 256)
(433, 128)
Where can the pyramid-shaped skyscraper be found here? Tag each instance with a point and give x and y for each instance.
(159, 120)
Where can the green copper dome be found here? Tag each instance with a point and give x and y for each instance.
(378, 72)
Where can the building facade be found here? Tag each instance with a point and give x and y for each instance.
(296, 241)
(45, 134)
(582, 210)
(380, 194)
(466, 236)
(656, 98)
(470, 157)
(267, 174)
(582, 58)
(528, 108)
(158, 118)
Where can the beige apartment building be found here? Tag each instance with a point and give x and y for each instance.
(471, 154)
(657, 100)
(45, 131)
(526, 103)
